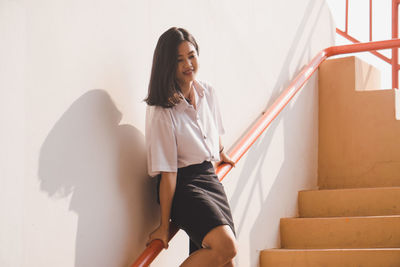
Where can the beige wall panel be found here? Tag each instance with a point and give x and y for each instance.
(358, 132)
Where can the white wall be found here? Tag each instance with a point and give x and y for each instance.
(73, 189)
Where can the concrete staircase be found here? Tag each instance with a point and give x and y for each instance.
(354, 217)
(341, 227)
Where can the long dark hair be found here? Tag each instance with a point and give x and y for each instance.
(163, 88)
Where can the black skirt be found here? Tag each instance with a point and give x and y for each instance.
(199, 203)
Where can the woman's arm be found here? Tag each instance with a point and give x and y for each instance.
(167, 191)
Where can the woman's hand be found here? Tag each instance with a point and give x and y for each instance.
(161, 233)
(226, 159)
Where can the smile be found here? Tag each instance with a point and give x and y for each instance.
(188, 72)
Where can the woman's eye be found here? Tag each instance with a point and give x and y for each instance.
(192, 56)
(180, 60)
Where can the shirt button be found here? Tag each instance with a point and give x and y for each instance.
(205, 137)
(212, 157)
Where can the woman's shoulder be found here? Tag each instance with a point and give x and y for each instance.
(208, 88)
(156, 113)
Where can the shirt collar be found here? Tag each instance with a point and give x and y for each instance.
(199, 88)
(182, 105)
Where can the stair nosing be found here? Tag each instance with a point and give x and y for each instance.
(352, 189)
(342, 217)
(329, 249)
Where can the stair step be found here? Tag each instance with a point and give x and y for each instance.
(349, 202)
(341, 232)
(387, 257)
(389, 178)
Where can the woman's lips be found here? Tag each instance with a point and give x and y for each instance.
(188, 72)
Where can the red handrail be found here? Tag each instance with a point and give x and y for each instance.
(265, 120)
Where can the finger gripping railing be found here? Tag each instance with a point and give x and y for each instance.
(236, 153)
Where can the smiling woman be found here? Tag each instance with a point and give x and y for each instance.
(164, 89)
(183, 128)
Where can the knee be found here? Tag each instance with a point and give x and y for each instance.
(231, 248)
(221, 240)
(228, 250)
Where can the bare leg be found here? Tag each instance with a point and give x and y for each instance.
(219, 248)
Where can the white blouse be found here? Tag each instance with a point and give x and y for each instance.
(180, 136)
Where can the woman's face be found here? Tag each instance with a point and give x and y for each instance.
(187, 63)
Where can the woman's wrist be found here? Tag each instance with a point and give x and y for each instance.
(164, 226)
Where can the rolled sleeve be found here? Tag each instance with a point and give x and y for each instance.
(161, 142)
(217, 112)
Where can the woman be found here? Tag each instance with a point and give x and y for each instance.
(183, 128)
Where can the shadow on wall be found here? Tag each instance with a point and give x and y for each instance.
(301, 156)
(102, 165)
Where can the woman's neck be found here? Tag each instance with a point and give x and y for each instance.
(186, 88)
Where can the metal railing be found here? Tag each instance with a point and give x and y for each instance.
(395, 33)
(237, 152)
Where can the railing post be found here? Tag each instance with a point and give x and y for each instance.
(347, 17)
(395, 33)
(370, 20)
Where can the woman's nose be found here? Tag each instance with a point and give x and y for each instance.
(188, 63)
